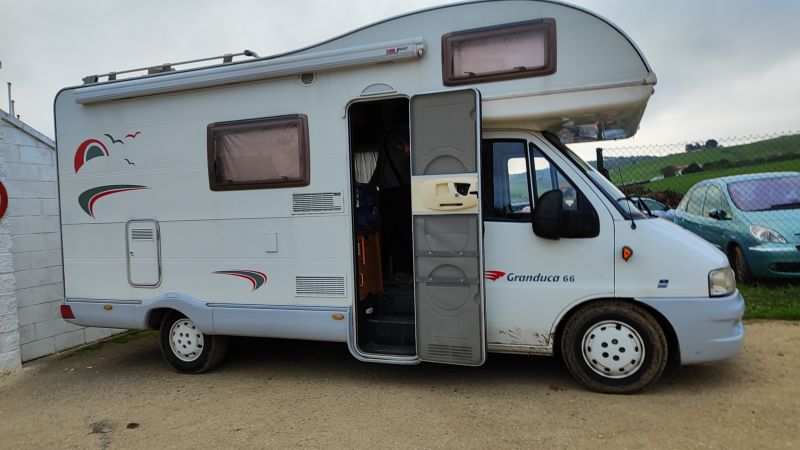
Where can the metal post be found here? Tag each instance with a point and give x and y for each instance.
(10, 102)
(601, 164)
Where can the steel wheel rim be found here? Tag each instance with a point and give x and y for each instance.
(185, 340)
(613, 349)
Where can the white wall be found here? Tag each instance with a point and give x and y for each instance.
(30, 268)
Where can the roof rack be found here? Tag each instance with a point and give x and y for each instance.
(168, 67)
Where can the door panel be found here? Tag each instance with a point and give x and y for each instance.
(448, 262)
(144, 253)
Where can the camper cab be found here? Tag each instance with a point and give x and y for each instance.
(404, 188)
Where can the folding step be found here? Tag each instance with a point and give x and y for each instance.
(396, 304)
(391, 330)
(401, 350)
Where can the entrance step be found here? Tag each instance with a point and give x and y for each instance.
(400, 350)
(396, 304)
(391, 330)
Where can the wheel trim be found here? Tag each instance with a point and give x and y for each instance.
(185, 340)
(613, 349)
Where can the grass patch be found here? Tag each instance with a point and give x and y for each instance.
(771, 300)
(123, 338)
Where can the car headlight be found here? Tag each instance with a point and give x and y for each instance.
(765, 234)
(721, 282)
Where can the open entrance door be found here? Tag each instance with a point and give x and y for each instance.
(446, 216)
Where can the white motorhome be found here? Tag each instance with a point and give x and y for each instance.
(403, 188)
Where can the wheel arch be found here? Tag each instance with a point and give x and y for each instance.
(156, 316)
(673, 348)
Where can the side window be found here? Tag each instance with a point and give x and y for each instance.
(259, 153)
(507, 193)
(695, 204)
(501, 52)
(713, 200)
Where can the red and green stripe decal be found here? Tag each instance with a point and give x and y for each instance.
(256, 278)
(89, 149)
(90, 196)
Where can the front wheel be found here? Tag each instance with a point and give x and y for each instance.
(614, 347)
(188, 349)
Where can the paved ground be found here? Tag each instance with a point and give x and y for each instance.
(295, 394)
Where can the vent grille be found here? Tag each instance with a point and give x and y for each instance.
(455, 353)
(319, 286)
(307, 78)
(317, 203)
(142, 234)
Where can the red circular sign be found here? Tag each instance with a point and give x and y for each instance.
(3, 200)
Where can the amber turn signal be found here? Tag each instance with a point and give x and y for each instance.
(627, 252)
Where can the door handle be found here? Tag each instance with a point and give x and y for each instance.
(457, 193)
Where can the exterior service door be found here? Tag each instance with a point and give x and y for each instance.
(144, 253)
(446, 214)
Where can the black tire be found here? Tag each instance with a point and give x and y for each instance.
(639, 356)
(210, 350)
(740, 267)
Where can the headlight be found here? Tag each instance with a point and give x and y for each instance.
(721, 282)
(765, 234)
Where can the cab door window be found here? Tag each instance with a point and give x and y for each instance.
(549, 178)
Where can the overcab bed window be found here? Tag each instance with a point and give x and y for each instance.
(503, 52)
(258, 153)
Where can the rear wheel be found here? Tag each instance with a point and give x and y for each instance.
(188, 349)
(740, 267)
(614, 347)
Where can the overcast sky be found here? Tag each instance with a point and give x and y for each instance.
(725, 67)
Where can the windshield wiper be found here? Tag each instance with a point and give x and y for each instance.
(789, 205)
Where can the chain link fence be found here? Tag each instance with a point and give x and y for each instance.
(742, 194)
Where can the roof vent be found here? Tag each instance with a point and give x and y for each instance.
(307, 78)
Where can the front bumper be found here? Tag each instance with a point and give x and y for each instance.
(708, 328)
(774, 260)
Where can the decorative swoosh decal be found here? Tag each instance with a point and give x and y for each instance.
(493, 275)
(89, 149)
(255, 277)
(87, 198)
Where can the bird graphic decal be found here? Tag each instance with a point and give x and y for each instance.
(133, 135)
(114, 141)
(129, 162)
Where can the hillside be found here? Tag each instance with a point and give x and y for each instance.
(762, 151)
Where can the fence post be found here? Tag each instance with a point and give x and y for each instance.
(600, 164)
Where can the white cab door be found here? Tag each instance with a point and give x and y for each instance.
(531, 280)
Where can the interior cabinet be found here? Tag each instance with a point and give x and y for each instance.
(370, 279)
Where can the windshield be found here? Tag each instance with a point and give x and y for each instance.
(624, 205)
(766, 193)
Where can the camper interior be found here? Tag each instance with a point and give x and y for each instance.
(380, 173)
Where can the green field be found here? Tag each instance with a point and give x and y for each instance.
(762, 150)
(682, 183)
(771, 300)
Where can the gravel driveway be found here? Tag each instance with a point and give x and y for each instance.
(281, 394)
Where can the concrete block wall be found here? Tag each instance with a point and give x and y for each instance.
(10, 357)
(34, 259)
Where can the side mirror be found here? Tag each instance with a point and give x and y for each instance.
(718, 214)
(547, 215)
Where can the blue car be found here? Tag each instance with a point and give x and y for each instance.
(754, 219)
